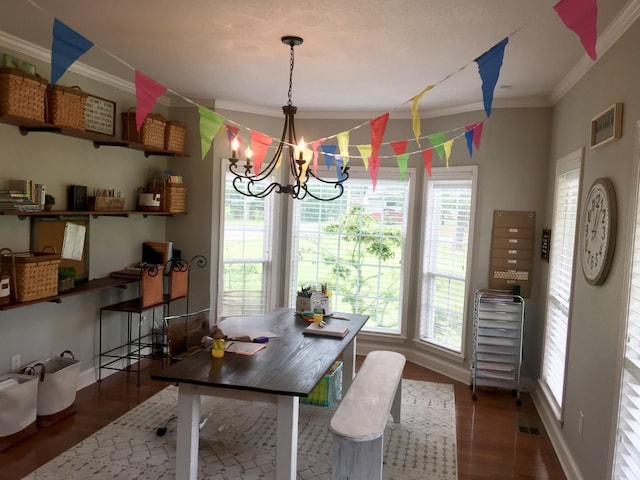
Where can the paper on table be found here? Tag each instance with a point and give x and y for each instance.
(73, 241)
(243, 348)
(246, 335)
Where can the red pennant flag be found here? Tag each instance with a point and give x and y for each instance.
(399, 147)
(232, 132)
(378, 126)
(427, 155)
(314, 147)
(581, 16)
(259, 144)
(477, 133)
(147, 92)
(374, 166)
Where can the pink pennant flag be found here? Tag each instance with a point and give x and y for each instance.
(378, 126)
(399, 147)
(477, 133)
(374, 166)
(314, 146)
(259, 144)
(147, 92)
(427, 155)
(581, 16)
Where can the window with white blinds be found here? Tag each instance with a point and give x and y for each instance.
(563, 237)
(627, 450)
(246, 252)
(355, 245)
(450, 195)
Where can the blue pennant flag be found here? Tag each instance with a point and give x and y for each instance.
(67, 46)
(489, 64)
(339, 169)
(329, 152)
(469, 136)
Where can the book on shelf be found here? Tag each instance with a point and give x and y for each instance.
(328, 330)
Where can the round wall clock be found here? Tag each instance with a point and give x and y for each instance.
(598, 238)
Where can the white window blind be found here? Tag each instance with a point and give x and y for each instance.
(355, 245)
(563, 234)
(246, 252)
(446, 253)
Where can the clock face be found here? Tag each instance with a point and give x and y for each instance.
(598, 231)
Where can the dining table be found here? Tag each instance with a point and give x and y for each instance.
(289, 367)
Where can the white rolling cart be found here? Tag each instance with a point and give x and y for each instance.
(498, 319)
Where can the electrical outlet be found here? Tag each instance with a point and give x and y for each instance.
(580, 422)
(15, 363)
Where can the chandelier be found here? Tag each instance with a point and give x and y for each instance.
(295, 156)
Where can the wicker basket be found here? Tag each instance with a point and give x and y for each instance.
(22, 95)
(174, 134)
(151, 133)
(66, 106)
(173, 198)
(34, 275)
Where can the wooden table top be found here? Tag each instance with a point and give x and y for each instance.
(291, 364)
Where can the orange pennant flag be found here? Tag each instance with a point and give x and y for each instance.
(427, 155)
(259, 144)
(378, 126)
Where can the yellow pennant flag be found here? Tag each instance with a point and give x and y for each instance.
(414, 112)
(365, 153)
(447, 151)
(343, 146)
(279, 162)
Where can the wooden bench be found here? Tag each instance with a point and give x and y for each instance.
(359, 422)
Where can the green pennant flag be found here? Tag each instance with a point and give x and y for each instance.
(437, 140)
(402, 164)
(210, 123)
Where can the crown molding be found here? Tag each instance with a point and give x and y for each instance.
(620, 24)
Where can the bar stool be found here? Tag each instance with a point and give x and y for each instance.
(151, 296)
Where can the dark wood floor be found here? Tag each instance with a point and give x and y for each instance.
(490, 445)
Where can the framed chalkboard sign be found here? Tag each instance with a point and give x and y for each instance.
(100, 116)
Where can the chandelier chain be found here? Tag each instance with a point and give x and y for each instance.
(290, 102)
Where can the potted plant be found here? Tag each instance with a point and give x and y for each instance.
(49, 202)
(66, 278)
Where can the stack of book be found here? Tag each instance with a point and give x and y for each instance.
(22, 196)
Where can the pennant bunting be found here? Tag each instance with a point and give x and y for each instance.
(414, 113)
(378, 126)
(67, 46)
(447, 151)
(468, 135)
(340, 169)
(400, 146)
(365, 153)
(314, 148)
(489, 65)
(232, 133)
(147, 92)
(210, 123)
(343, 145)
(259, 144)
(427, 156)
(329, 152)
(581, 16)
(477, 134)
(374, 166)
(437, 140)
(402, 160)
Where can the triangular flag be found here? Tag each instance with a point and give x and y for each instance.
(581, 16)
(414, 112)
(378, 126)
(66, 47)
(210, 123)
(340, 169)
(314, 147)
(468, 134)
(447, 151)
(399, 147)
(343, 145)
(427, 156)
(402, 160)
(489, 64)
(365, 153)
(329, 152)
(374, 164)
(437, 140)
(147, 92)
(259, 144)
(477, 134)
(232, 133)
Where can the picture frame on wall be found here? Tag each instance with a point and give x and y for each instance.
(606, 126)
(100, 115)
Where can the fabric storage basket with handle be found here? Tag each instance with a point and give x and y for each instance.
(151, 132)
(57, 388)
(22, 95)
(66, 106)
(33, 275)
(18, 407)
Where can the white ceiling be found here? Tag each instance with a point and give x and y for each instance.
(367, 56)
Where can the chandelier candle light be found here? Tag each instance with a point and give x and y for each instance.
(296, 155)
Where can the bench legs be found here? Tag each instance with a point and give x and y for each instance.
(397, 403)
(357, 460)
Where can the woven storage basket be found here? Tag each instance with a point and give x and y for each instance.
(174, 134)
(22, 95)
(34, 275)
(151, 133)
(66, 106)
(173, 198)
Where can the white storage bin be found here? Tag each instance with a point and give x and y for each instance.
(18, 407)
(57, 387)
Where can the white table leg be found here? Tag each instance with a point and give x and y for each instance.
(348, 366)
(287, 437)
(187, 436)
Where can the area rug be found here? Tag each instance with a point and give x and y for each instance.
(238, 442)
